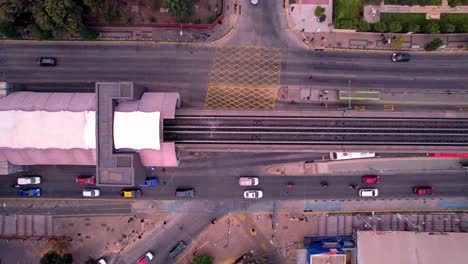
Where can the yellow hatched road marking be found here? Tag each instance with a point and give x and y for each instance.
(244, 77)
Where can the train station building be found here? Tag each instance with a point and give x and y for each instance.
(118, 128)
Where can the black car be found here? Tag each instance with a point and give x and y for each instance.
(177, 249)
(46, 61)
(400, 57)
(185, 193)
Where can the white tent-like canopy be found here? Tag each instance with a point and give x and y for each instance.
(137, 130)
(47, 130)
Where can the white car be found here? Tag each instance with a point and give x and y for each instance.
(254, 2)
(368, 192)
(91, 192)
(29, 180)
(101, 261)
(253, 194)
(248, 181)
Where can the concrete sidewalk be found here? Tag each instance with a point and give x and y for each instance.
(432, 97)
(182, 34)
(315, 35)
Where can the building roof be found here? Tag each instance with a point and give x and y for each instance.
(136, 130)
(411, 247)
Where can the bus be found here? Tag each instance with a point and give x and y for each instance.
(448, 155)
(351, 155)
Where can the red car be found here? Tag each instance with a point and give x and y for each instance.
(371, 179)
(85, 179)
(146, 258)
(423, 190)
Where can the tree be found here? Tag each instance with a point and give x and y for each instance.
(463, 28)
(412, 28)
(396, 44)
(8, 29)
(57, 16)
(447, 28)
(395, 27)
(89, 33)
(38, 33)
(181, 9)
(54, 258)
(202, 259)
(380, 27)
(432, 28)
(434, 44)
(322, 18)
(363, 26)
(11, 10)
(318, 11)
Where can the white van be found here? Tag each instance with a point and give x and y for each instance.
(351, 155)
(29, 180)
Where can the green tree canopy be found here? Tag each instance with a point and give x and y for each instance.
(181, 9)
(447, 28)
(432, 28)
(10, 9)
(57, 16)
(434, 44)
(363, 26)
(395, 27)
(412, 28)
(88, 33)
(54, 258)
(202, 259)
(380, 27)
(8, 29)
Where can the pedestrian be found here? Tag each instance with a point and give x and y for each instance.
(382, 35)
(394, 37)
(312, 39)
(304, 40)
(320, 97)
(303, 30)
(322, 38)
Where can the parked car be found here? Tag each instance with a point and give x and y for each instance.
(85, 179)
(177, 249)
(185, 193)
(91, 192)
(146, 258)
(371, 179)
(248, 181)
(101, 261)
(46, 61)
(130, 193)
(424, 190)
(397, 57)
(253, 194)
(368, 192)
(29, 180)
(32, 192)
(254, 2)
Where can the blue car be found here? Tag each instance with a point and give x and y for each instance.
(35, 192)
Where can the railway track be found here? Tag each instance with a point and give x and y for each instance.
(316, 131)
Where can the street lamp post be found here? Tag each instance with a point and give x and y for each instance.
(349, 94)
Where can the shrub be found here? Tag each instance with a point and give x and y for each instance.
(454, 3)
(8, 29)
(462, 28)
(432, 28)
(292, 2)
(396, 44)
(38, 33)
(380, 27)
(322, 18)
(363, 26)
(346, 23)
(88, 33)
(318, 11)
(212, 19)
(434, 44)
(447, 28)
(198, 21)
(395, 27)
(412, 28)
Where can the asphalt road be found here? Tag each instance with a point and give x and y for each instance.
(225, 187)
(175, 68)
